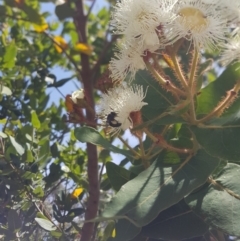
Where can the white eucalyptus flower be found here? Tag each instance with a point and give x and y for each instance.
(232, 51)
(141, 19)
(232, 9)
(117, 105)
(77, 95)
(202, 23)
(127, 60)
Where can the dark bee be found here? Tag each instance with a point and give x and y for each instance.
(111, 120)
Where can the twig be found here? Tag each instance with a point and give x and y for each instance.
(90, 9)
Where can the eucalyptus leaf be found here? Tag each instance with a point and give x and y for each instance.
(213, 93)
(155, 94)
(157, 188)
(176, 223)
(45, 224)
(220, 141)
(64, 11)
(34, 119)
(118, 175)
(5, 90)
(20, 150)
(10, 55)
(219, 204)
(91, 135)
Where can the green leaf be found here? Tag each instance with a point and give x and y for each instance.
(56, 234)
(5, 90)
(211, 95)
(34, 119)
(29, 156)
(14, 222)
(155, 94)
(125, 231)
(176, 223)
(118, 175)
(91, 135)
(38, 191)
(64, 11)
(221, 137)
(158, 188)
(9, 57)
(44, 150)
(17, 146)
(45, 224)
(60, 83)
(219, 204)
(32, 14)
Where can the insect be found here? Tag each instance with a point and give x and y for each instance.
(111, 120)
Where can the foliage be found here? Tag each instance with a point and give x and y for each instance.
(179, 182)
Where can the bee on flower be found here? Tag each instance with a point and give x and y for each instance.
(120, 107)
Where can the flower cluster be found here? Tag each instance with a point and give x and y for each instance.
(151, 25)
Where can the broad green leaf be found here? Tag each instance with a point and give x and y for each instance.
(14, 222)
(211, 95)
(91, 135)
(64, 11)
(32, 14)
(158, 99)
(158, 188)
(176, 223)
(34, 119)
(9, 57)
(45, 224)
(221, 138)
(17, 146)
(5, 90)
(219, 204)
(118, 175)
(125, 231)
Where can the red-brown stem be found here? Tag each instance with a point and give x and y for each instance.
(225, 103)
(159, 140)
(92, 167)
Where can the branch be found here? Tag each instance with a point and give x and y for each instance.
(92, 167)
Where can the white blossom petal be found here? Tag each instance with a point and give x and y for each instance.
(128, 60)
(203, 24)
(232, 51)
(77, 95)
